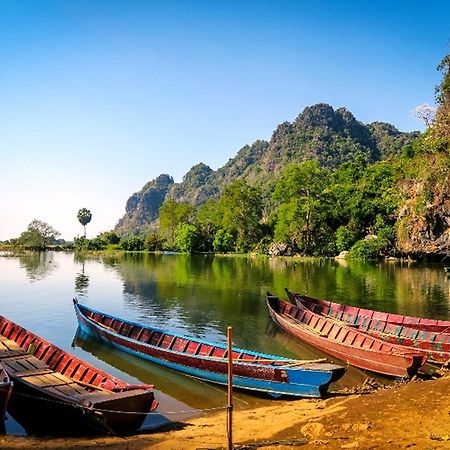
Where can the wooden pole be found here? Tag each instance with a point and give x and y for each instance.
(230, 389)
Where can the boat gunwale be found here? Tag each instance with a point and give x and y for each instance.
(308, 329)
(305, 366)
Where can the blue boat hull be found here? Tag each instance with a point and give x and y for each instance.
(309, 380)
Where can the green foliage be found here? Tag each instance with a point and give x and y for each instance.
(109, 237)
(345, 238)
(224, 242)
(187, 238)
(443, 90)
(84, 216)
(172, 214)
(38, 235)
(367, 249)
(154, 242)
(302, 199)
(241, 209)
(132, 243)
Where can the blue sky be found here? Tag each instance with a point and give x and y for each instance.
(99, 97)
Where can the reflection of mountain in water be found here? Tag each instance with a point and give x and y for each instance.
(200, 295)
(38, 265)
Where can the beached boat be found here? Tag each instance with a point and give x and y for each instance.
(434, 344)
(5, 392)
(348, 344)
(58, 394)
(342, 312)
(251, 370)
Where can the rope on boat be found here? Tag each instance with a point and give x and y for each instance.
(90, 408)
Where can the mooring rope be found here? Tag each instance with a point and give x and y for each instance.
(90, 408)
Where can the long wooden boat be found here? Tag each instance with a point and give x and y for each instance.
(251, 370)
(435, 345)
(58, 394)
(345, 343)
(5, 392)
(342, 312)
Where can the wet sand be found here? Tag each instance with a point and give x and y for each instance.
(413, 415)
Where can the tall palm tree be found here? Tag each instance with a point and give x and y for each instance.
(84, 217)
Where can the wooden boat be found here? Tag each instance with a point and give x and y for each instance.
(346, 343)
(56, 393)
(435, 345)
(341, 312)
(253, 371)
(5, 392)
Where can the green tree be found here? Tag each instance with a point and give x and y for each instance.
(38, 235)
(84, 216)
(223, 241)
(172, 214)
(241, 209)
(187, 238)
(302, 205)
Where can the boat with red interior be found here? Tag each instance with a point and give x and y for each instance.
(346, 343)
(434, 344)
(56, 393)
(343, 312)
(253, 371)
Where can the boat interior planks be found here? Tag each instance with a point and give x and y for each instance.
(57, 393)
(208, 361)
(434, 344)
(344, 342)
(349, 313)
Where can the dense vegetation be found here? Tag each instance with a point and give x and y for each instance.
(324, 184)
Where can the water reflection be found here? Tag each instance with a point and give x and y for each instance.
(199, 296)
(38, 265)
(81, 279)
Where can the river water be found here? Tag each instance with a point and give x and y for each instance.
(200, 296)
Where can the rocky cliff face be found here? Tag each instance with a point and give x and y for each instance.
(425, 230)
(330, 136)
(142, 208)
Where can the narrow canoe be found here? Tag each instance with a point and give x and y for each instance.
(58, 394)
(338, 310)
(435, 345)
(345, 343)
(5, 392)
(253, 371)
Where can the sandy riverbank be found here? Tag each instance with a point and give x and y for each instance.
(413, 415)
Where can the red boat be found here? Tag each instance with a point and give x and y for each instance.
(435, 345)
(207, 361)
(342, 312)
(346, 343)
(5, 392)
(58, 394)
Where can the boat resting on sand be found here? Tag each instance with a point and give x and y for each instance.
(345, 343)
(346, 313)
(200, 359)
(56, 393)
(5, 392)
(435, 345)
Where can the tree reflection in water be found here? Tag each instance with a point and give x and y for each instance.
(37, 265)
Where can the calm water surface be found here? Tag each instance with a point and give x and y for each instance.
(200, 296)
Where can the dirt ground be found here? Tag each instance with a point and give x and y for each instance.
(414, 415)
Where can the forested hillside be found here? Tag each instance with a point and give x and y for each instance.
(323, 184)
(320, 133)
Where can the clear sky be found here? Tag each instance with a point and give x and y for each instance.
(98, 97)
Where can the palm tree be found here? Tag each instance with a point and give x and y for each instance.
(84, 217)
